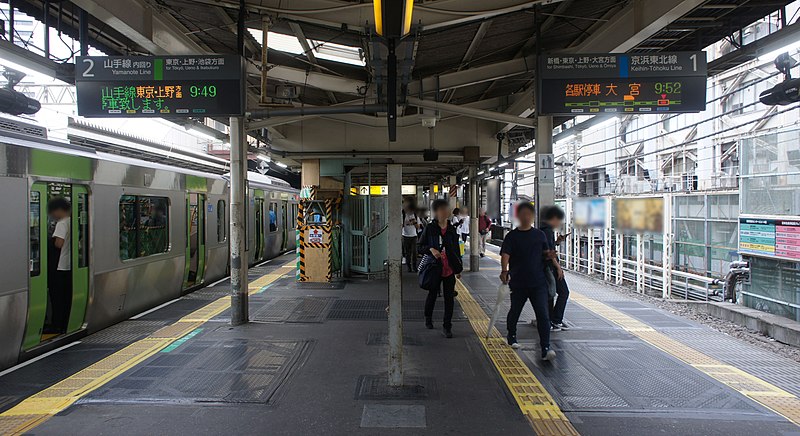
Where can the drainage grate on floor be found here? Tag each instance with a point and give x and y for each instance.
(201, 371)
(382, 338)
(376, 387)
(375, 310)
(125, 332)
(297, 310)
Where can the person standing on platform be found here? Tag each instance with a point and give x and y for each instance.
(552, 218)
(440, 240)
(463, 227)
(484, 227)
(61, 291)
(411, 224)
(523, 256)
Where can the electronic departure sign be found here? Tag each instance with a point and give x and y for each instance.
(159, 86)
(588, 84)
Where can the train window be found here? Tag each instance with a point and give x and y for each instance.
(83, 229)
(273, 217)
(221, 233)
(143, 226)
(35, 233)
(293, 216)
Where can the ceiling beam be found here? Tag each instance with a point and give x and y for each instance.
(473, 47)
(309, 52)
(471, 76)
(634, 24)
(156, 32)
(498, 117)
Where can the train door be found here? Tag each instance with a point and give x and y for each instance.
(285, 226)
(59, 275)
(195, 239)
(259, 212)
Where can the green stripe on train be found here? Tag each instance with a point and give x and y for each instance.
(46, 163)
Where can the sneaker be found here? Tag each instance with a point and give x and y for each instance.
(448, 333)
(548, 354)
(429, 324)
(560, 326)
(512, 342)
(554, 327)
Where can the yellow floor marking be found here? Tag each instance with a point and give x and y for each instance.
(39, 407)
(770, 396)
(532, 398)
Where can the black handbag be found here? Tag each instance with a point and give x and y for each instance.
(430, 273)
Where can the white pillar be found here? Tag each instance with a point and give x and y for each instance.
(238, 202)
(570, 225)
(607, 231)
(545, 188)
(620, 255)
(394, 176)
(640, 262)
(590, 251)
(666, 252)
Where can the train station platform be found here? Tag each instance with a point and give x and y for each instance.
(313, 360)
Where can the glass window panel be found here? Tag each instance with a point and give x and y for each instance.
(273, 217)
(690, 231)
(35, 233)
(127, 227)
(143, 226)
(723, 234)
(221, 224)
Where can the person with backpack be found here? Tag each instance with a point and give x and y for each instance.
(441, 264)
(484, 227)
(411, 225)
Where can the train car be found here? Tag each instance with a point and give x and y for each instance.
(141, 234)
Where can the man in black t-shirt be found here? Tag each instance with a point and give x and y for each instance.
(524, 253)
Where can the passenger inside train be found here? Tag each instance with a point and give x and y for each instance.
(60, 285)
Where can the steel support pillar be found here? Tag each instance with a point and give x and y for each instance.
(238, 202)
(474, 236)
(590, 251)
(394, 176)
(576, 250)
(545, 188)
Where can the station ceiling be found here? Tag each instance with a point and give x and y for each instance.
(464, 53)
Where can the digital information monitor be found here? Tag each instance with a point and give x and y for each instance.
(159, 86)
(622, 83)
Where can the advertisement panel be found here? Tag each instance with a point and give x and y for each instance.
(777, 238)
(640, 214)
(589, 212)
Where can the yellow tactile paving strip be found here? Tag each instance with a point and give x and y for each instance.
(770, 396)
(38, 408)
(532, 398)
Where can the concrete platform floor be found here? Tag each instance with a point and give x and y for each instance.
(314, 361)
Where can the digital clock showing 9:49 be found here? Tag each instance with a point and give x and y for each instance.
(196, 91)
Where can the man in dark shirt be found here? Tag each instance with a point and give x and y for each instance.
(552, 218)
(524, 253)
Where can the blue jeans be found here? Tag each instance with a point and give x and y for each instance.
(539, 300)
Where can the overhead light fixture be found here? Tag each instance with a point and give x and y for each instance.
(263, 158)
(281, 164)
(392, 17)
(481, 172)
(465, 178)
(502, 164)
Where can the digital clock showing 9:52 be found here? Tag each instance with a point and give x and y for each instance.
(160, 98)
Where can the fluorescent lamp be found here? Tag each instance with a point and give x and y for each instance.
(502, 164)
(280, 164)
(264, 158)
(481, 172)
(392, 17)
(465, 178)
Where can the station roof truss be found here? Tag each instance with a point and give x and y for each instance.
(471, 65)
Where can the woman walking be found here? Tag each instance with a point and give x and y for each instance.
(440, 240)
